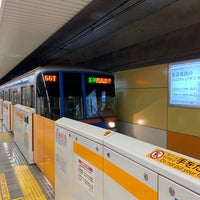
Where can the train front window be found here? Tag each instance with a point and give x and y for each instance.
(48, 95)
(100, 93)
(73, 99)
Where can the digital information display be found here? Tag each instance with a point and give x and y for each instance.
(50, 78)
(184, 84)
(99, 80)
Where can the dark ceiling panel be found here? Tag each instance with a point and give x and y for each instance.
(115, 35)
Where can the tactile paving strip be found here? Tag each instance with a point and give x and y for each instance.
(5, 137)
(28, 183)
(4, 188)
(11, 156)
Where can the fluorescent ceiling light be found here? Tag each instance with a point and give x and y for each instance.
(0, 3)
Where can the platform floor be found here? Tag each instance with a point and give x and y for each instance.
(18, 180)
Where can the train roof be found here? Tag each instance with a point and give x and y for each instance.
(53, 68)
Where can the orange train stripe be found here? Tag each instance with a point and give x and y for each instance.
(131, 184)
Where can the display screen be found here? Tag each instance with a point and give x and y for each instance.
(99, 80)
(50, 78)
(184, 84)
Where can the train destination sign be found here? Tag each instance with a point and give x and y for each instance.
(50, 78)
(99, 80)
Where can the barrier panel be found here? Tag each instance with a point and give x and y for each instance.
(181, 172)
(44, 143)
(6, 114)
(93, 163)
(79, 160)
(23, 130)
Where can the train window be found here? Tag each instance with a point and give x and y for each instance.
(6, 95)
(14, 97)
(18, 94)
(1, 94)
(32, 96)
(100, 93)
(9, 94)
(48, 95)
(23, 95)
(26, 96)
(73, 95)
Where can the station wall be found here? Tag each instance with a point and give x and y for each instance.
(143, 111)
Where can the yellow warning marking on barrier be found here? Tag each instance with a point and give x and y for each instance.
(177, 162)
(130, 183)
(137, 188)
(92, 157)
(28, 183)
(4, 137)
(20, 198)
(5, 195)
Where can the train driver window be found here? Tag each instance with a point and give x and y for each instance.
(100, 95)
(48, 95)
(73, 100)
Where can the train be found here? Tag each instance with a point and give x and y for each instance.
(59, 91)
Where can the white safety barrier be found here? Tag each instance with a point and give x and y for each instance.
(94, 163)
(1, 108)
(7, 114)
(23, 130)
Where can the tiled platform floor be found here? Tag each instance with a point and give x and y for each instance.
(18, 180)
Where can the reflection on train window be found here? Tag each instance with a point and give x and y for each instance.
(100, 95)
(48, 96)
(73, 100)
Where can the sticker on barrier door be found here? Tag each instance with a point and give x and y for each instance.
(86, 175)
(175, 161)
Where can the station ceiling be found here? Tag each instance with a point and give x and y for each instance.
(109, 35)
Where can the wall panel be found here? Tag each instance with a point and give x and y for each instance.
(153, 76)
(143, 112)
(184, 120)
(185, 144)
(146, 107)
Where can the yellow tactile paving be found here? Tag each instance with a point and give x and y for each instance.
(4, 137)
(4, 188)
(28, 183)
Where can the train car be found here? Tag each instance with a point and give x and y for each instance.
(56, 91)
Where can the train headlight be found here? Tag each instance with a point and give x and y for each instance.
(112, 124)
